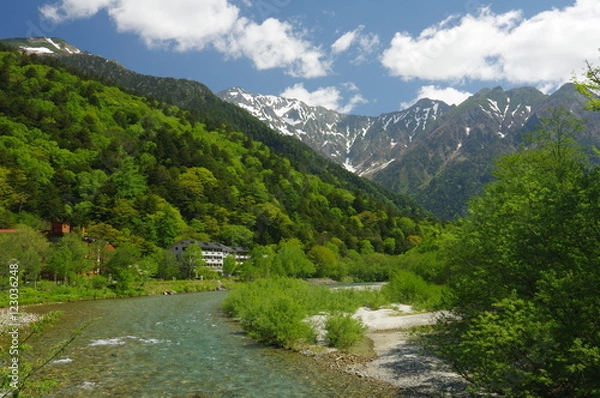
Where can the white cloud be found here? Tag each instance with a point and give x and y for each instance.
(449, 95)
(328, 97)
(195, 25)
(273, 44)
(344, 42)
(71, 9)
(545, 50)
(365, 43)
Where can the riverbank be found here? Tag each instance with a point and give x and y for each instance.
(396, 358)
(50, 293)
(47, 292)
(7, 319)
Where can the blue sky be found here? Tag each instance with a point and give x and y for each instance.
(357, 56)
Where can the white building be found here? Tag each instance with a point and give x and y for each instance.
(213, 253)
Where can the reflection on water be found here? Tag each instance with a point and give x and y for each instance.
(177, 346)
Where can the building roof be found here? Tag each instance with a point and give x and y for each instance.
(210, 245)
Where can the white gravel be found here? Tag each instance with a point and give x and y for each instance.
(402, 362)
(23, 319)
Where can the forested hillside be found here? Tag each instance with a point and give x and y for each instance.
(134, 169)
(216, 113)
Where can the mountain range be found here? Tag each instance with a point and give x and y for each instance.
(437, 154)
(441, 155)
(135, 170)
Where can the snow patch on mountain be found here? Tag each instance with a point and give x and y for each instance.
(362, 144)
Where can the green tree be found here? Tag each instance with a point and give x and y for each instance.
(128, 180)
(125, 268)
(68, 257)
(525, 268)
(325, 261)
(167, 265)
(261, 263)
(230, 265)
(590, 86)
(292, 260)
(343, 331)
(191, 260)
(236, 235)
(28, 248)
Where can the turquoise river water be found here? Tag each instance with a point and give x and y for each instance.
(178, 346)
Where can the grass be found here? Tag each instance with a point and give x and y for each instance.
(49, 292)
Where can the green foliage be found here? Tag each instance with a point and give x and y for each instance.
(191, 261)
(292, 261)
(509, 350)
(525, 272)
(140, 171)
(230, 265)
(68, 257)
(26, 247)
(126, 270)
(589, 87)
(408, 288)
(343, 331)
(429, 260)
(325, 261)
(269, 313)
(276, 310)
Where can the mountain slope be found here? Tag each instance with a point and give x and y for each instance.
(362, 144)
(42, 45)
(449, 167)
(438, 154)
(142, 171)
(217, 114)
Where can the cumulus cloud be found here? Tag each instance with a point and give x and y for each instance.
(364, 43)
(72, 9)
(195, 25)
(449, 95)
(545, 50)
(328, 97)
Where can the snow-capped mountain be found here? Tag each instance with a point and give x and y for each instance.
(43, 45)
(456, 159)
(363, 144)
(441, 155)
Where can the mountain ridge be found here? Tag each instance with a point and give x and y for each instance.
(442, 159)
(341, 137)
(438, 154)
(136, 170)
(217, 114)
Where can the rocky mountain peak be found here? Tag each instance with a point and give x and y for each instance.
(363, 144)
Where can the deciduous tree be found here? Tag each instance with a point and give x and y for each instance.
(526, 267)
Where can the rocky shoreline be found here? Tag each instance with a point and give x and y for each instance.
(24, 319)
(395, 359)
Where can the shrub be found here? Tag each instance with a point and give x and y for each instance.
(343, 331)
(269, 313)
(275, 310)
(409, 288)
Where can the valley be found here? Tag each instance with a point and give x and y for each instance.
(114, 184)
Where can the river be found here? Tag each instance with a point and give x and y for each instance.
(178, 346)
